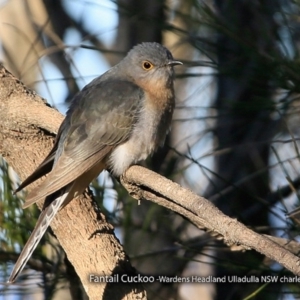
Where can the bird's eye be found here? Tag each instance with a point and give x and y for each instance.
(147, 65)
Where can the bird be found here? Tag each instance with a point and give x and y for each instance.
(115, 121)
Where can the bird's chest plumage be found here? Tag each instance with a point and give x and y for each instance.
(148, 134)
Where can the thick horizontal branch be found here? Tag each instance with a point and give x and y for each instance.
(143, 184)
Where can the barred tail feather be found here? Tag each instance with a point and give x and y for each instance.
(42, 224)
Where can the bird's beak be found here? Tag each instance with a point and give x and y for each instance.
(174, 63)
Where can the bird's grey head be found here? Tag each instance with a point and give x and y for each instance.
(150, 64)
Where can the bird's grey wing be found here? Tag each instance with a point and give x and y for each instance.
(101, 117)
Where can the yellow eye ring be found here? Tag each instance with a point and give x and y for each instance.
(147, 65)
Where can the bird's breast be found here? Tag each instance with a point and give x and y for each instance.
(148, 133)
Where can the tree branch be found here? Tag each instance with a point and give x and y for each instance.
(143, 184)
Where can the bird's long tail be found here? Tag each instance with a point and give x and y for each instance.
(42, 224)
